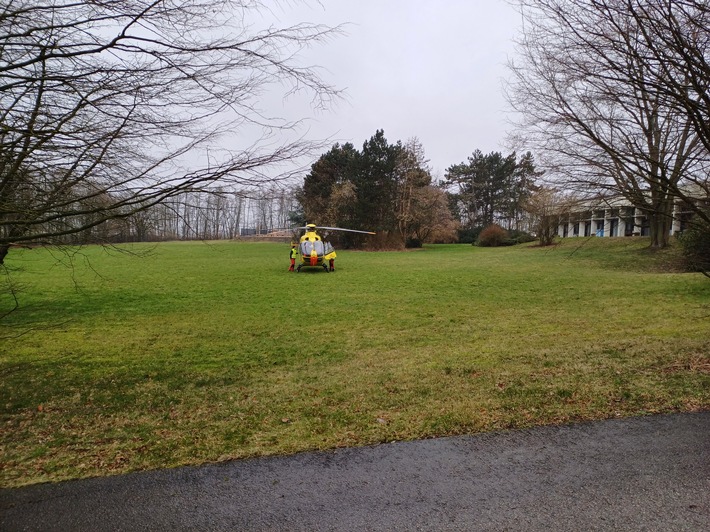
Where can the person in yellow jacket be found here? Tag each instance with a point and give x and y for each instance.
(293, 255)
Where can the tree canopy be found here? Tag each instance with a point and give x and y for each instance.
(492, 188)
(383, 187)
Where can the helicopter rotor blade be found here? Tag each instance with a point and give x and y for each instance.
(318, 227)
(348, 230)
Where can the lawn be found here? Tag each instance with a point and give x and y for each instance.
(184, 353)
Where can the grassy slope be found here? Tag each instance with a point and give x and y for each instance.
(203, 352)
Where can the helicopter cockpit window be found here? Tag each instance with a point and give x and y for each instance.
(307, 247)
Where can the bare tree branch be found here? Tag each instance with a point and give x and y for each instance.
(108, 107)
(601, 105)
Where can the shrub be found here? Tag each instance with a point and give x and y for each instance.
(521, 237)
(696, 246)
(493, 236)
(469, 235)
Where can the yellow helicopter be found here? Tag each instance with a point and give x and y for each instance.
(316, 252)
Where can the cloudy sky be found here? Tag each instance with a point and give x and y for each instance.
(415, 68)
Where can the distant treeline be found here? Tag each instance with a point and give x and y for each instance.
(197, 216)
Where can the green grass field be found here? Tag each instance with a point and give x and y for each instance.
(185, 353)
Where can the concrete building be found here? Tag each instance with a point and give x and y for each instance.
(613, 218)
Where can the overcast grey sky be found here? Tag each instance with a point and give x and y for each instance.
(414, 68)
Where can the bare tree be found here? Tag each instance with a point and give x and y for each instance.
(108, 107)
(588, 86)
(414, 174)
(548, 207)
(676, 37)
(432, 220)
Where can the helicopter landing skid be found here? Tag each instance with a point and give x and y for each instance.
(325, 267)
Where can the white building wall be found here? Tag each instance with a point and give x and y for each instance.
(675, 228)
(622, 215)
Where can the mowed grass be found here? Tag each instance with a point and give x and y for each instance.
(185, 353)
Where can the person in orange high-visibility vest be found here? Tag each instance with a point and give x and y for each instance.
(293, 256)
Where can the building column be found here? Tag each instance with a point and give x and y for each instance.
(607, 222)
(675, 227)
(638, 221)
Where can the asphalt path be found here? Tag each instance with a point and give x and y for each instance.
(646, 473)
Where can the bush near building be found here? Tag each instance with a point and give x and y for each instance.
(696, 246)
(494, 236)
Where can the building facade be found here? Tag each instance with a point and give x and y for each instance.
(614, 219)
